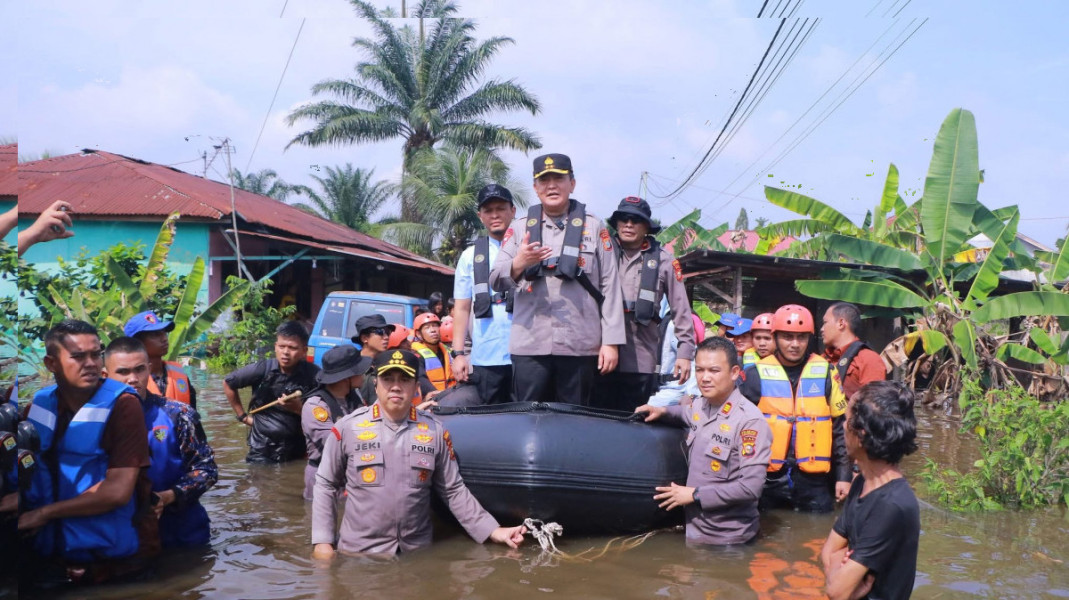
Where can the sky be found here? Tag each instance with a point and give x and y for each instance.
(625, 89)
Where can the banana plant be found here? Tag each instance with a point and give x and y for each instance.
(689, 235)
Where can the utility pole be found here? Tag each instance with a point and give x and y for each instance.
(234, 211)
(404, 10)
(643, 186)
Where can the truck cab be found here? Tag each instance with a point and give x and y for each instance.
(336, 323)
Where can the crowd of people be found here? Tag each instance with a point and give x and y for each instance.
(552, 305)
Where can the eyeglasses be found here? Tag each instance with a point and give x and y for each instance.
(630, 219)
(379, 331)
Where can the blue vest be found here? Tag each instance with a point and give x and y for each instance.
(81, 465)
(188, 525)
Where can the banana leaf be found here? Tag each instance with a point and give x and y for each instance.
(795, 228)
(887, 203)
(706, 239)
(1043, 341)
(867, 222)
(986, 279)
(871, 253)
(1058, 261)
(126, 285)
(188, 303)
(810, 207)
(703, 312)
(951, 187)
(676, 229)
(884, 293)
(965, 340)
(193, 330)
(1019, 352)
(157, 261)
(931, 340)
(908, 219)
(1023, 304)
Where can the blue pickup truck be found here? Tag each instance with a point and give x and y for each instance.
(336, 323)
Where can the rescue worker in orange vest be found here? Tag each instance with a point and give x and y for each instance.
(428, 345)
(168, 378)
(809, 469)
(761, 338)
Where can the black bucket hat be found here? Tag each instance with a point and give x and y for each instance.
(635, 207)
(342, 362)
(371, 322)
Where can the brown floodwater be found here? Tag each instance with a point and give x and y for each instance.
(261, 548)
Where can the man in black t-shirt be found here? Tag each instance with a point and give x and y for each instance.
(871, 551)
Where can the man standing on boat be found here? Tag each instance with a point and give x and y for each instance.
(567, 321)
(795, 391)
(489, 360)
(728, 448)
(388, 457)
(648, 274)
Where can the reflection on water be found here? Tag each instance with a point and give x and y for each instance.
(261, 549)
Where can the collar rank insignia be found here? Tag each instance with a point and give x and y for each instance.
(412, 414)
(375, 414)
(726, 409)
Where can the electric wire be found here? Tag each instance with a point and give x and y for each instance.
(874, 7)
(275, 96)
(763, 5)
(895, 16)
(890, 8)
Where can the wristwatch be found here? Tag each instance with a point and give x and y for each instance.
(241, 418)
(694, 497)
(456, 353)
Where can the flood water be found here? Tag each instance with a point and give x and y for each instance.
(261, 548)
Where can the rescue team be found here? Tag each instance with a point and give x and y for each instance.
(550, 306)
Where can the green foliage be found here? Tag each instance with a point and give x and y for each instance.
(689, 235)
(1024, 453)
(247, 339)
(346, 196)
(264, 182)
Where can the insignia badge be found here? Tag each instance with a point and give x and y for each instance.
(716, 450)
(645, 246)
(697, 417)
(531, 222)
(423, 426)
(368, 475)
(725, 427)
(412, 414)
(813, 388)
(397, 355)
(320, 414)
(577, 222)
(181, 385)
(549, 161)
(452, 455)
(365, 424)
(159, 432)
(424, 462)
(424, 476)
(27, 461)
(10, 443)
(480, 258)
(842, 362)
(651, 263)
(424, 438)
(366, 435)
(714, 465)
(606, 243)
(508, 234)
(726, 409)
(678, 269)
(375, 411)
(749, 441)
(581, 262)
(151, 318)
(367, 457)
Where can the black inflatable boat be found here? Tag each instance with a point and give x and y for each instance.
(591, 470)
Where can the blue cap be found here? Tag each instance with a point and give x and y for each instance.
(741, 326)
(729, 320)
(146, 321)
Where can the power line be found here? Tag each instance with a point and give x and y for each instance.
(763, 5)
(735, 110)
(275, 96)
(874, 6)
(890, 8)
(895, 16)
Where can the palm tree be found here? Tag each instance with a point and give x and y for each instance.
(348, 196)
(419, 88)
(444, 185)
(264, 182)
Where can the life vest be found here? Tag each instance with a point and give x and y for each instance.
(803, 416)
(749, 358)
(565, 266)
(483, 297)
(79, 464)
(645, 305)
(440, 373)
(838, 375)
(186, 526)
(177, 383)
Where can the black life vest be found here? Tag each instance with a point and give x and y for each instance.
(848, 357)
(483, 297)
(565, 266)
(645, 306)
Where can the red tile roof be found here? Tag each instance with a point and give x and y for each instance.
(102, 184)
(9, 164)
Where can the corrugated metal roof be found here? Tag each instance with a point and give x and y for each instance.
(378, 256)
(102, 184)
(9, 166)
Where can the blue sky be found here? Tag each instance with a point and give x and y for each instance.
(624, 90)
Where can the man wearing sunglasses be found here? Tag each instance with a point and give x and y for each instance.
(648, 274)
(373, 336)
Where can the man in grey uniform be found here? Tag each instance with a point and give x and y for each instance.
(648, 273)
(729, 447)
(567, 318)
(387, 457)
(338, 394)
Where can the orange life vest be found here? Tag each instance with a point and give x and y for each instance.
(801, 415)
(439, 370)
(177, 383)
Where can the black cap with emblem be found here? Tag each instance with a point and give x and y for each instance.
(633, 206)
(552, 163)
(494, 192)
(405, 361)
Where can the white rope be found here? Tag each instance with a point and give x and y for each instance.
(544, 532)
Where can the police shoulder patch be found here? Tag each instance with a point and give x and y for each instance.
(320, 414)
(678, 269)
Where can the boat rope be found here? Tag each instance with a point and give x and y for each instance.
(545, 532)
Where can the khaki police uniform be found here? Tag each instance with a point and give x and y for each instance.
(556, 317)
(728, 448)
(316, 423)
(388, 471)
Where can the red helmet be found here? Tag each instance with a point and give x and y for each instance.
(446, 331)
(793, 317)
(399, 335)
(427, 317)
(763, 322)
